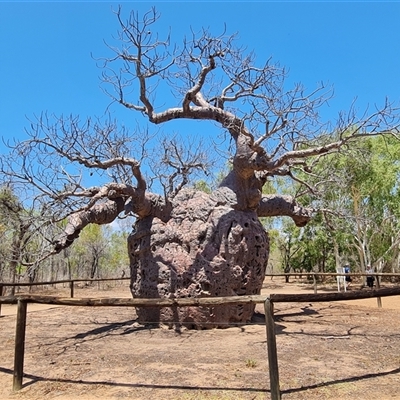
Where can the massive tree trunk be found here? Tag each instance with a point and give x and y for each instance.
(204, 249)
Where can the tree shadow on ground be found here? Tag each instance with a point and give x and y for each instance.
(35, 378)
(343, 380)
(304, 311)
(131, 326)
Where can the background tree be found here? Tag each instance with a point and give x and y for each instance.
(99, 252)
(187, 243)
(360, 197)
(22, 236)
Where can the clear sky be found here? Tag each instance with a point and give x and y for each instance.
(46, 47)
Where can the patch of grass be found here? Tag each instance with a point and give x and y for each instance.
(250, 363)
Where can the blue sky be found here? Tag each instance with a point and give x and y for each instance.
(46, 47)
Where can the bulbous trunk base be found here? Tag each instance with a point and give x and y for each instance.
(204, 250)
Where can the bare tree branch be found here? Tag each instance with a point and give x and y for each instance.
(274, 205)
(102, 213)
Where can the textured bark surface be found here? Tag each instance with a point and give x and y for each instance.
(204, 250)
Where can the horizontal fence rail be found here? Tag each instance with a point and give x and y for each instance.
(202, 301)
(63, 281)
(300, 273)
(314, 275)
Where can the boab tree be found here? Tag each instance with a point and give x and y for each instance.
(185, 242)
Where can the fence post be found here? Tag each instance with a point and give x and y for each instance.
(19, 345)
(71, 286)
(315, 283)
(1, 294)
(378, 286)
(272, 353)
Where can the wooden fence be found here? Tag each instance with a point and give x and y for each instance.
(308, 275)
(268, 301)
(305, 275)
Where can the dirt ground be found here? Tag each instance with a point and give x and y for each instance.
(339, 350)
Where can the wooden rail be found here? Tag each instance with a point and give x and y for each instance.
(268, 301)
(63, 281)
(72, 282)
(304, 273)
(203, 301)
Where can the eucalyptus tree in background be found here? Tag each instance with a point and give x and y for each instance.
(374, 201)
(100, 252)
(360, 204)
(20, 237)
(9, 212)
(185, 242)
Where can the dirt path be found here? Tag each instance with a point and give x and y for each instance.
(343, 350)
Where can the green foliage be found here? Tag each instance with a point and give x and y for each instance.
(99, 252)
(310, 248)
(16, 234)
(117, 256)
(359, 185)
